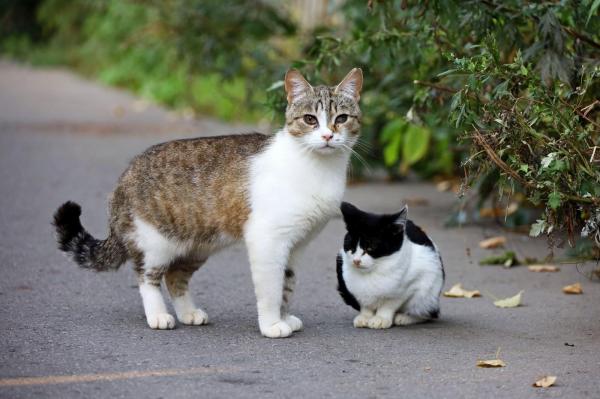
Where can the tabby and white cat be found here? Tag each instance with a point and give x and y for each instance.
(181, 201)
(388, 269)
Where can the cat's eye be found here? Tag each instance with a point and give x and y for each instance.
(341, 118)
(369, 249)
(310, 119)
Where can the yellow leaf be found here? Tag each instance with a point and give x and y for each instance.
(545, 382)
(416, 201)
(491, 363)
(574, 289)
(543, 268)
(444, 185)
(457, 291)
(511, 302)
(493, 242)
(499, 212)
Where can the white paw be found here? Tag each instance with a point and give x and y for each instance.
(161, 321)
(278, 330)
(361, 321)
(194, 318)
(294, 322)
(402, 319)
(378, 322)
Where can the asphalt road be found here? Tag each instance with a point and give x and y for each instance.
(70, 333)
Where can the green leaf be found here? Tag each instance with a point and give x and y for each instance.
(507, 259)
(554, 200)
(392, 129)
(593, 10)
(392, 150)
(416, 144)
(537, 228)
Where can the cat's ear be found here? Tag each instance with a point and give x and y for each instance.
(401, 217)
(349, 212)
(295, 85)
(351, 85)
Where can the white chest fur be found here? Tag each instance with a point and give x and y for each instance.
(293, 191)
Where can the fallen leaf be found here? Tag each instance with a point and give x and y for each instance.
(545, 382)
(457, 291)
(574, 289)
(507, 259)
(511, 302)
(499, 212)
(416, 201)
(444, 185)
(493, 242)
(491, 363)
(543, 268)
(119, 111)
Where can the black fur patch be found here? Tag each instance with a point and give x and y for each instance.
(86, 251)
(416, 235)
(67, 224)
(347, 296)
(378, 235)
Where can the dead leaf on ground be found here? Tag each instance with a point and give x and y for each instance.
(573, 289)
(457, 291)
(511, 302)
(491, 363)
(545, 382)
(119, 111)
(543, 268)
(499, 212)
(416, 201)
(493, 242)
(444, 185)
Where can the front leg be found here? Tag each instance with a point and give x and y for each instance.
(362, 320)
(289, 283)
(268, 260)
(384, 317)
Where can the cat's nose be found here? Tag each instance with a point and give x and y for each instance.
(356, 262)
(327, 136)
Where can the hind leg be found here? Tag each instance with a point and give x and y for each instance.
(177, 280)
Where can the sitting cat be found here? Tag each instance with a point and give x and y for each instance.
(389, 269)
(181, 201)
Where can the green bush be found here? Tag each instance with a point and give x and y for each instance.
(506, 91)
(515, 83)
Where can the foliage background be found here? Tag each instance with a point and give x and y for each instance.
(502, 93)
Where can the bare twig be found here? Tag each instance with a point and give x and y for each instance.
(436, 86)
(480, 139)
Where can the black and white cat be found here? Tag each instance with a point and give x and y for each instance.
(389, 269)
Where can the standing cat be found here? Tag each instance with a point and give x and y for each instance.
(389, 269)
(181, 201)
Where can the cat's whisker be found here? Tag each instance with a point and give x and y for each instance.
(359, 158)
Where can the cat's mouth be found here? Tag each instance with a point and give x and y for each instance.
(327, 147)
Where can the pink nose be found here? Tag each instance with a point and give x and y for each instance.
(327, 136)
(356, 262)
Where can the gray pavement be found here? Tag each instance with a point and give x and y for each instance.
(62, 137)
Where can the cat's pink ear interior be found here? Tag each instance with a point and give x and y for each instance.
(351, 85)
(295, 85)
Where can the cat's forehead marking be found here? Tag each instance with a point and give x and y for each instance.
(323, 98)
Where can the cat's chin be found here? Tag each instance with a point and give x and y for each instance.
(327, 149)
